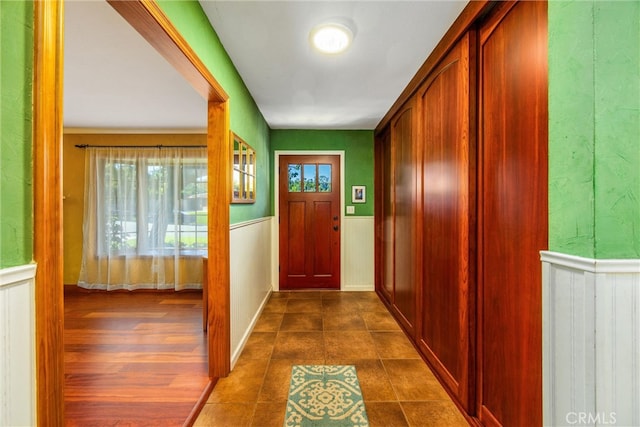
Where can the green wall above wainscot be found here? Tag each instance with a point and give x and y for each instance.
(594, 128)
(16, 68)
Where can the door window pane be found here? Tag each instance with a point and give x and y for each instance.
(310, 178)
(295, 177)
(324, 178)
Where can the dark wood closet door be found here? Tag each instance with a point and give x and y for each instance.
(404, 199)
(448, 212)
(513, 212)
(384, 216)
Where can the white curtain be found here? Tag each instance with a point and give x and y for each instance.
(145, 218)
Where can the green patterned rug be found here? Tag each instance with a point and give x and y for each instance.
(325, 395)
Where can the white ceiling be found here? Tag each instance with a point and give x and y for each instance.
(115, 80)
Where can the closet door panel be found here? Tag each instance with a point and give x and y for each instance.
(513, 212)
(384, 217)
(447, 212)
(404, 195)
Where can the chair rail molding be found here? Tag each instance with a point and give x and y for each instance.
(591, 340)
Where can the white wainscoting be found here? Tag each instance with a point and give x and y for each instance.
(591, 341)
(358, 253)
(250, 274)
(17, 346)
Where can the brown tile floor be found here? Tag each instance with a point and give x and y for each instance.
(329, 327)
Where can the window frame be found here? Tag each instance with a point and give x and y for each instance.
(243, 171)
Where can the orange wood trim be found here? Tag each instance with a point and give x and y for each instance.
(152, 23)
(193, 415)
(465, 20)
(218, 294)
(47, 211)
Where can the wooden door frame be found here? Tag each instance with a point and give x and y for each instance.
(148, 19)
(276, 202)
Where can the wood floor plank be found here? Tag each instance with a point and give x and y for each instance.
(134, 358)
(128, 357)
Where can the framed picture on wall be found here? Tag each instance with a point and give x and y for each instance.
(358, 194)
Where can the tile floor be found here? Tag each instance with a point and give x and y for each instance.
(327, 327)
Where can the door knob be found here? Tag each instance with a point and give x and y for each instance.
(335, 218)
(335, 228)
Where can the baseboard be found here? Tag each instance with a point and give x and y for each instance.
(358, 288)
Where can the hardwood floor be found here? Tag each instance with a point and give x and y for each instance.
(133, 358)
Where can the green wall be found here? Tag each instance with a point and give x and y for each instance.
(16, 66)
(246, 120)
(358, 148)
(594, 128)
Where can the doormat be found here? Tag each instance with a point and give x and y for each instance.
(325, 395)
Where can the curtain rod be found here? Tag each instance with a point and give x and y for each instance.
(139, 146)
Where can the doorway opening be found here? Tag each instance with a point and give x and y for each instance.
(148, 19)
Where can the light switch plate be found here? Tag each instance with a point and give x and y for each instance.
(351, 210)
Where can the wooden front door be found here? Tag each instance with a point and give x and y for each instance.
(309, 216)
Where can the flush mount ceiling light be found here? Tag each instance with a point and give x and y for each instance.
(331, 38)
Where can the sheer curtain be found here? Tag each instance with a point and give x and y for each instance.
(145, 218)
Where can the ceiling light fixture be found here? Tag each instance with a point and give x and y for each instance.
(331, 38)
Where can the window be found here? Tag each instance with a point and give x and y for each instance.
(152, 204)
(309, 178)
(244, 171)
